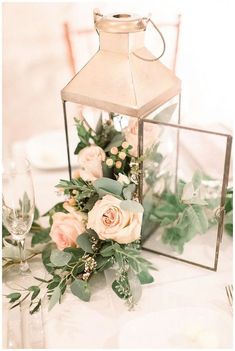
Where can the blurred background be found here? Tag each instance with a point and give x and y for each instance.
(44, 44)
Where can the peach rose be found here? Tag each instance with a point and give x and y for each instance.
(66, 227)
(150, 136)
(111, 222)
(90, 162)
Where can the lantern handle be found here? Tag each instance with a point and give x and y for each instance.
(148, 19)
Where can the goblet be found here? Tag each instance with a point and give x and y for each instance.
(18, 204)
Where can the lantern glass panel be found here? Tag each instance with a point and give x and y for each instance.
(184, 179)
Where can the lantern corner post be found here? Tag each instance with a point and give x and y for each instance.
(67, 138)
(140, 153)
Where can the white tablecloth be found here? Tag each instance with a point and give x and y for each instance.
(102, 322)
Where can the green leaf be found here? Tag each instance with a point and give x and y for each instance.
(55, 297)
(57, 208)
(80, 288)
(99, 125)
(84, 242)
(109, 185)
(36, 214)
(41, 237)
(109, 250)
(197, 179)
(166, 114)
(60, 258)
(116, 288)
(35, 289)
(5, 232)
(42, 280)
(166, 211)
(145, 277)
(198, 218)
(129, 191)
(54, 283)
(13, 297)
(131, 206)
(116, 141)
(135, 286)
(77, 252)
(46, 254)
(79, 147)
(36, 308)
(103, 263)
(229, 228)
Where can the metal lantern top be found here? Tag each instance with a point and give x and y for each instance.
(123, 76)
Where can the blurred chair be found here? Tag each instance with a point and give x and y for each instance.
(70, 35)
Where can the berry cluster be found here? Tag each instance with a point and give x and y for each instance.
(118, 155)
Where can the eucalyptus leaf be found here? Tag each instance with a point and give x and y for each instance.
(117, 290)
(60, 258)
(13, 297)
(84, 242)
(109, 250)
(55, 297)
(109, 185)
(116, 141)
(131, 206)
(198, 218)
(46, 253)
(145, 277)
(128, 191)
(35, 289)
(80, 288)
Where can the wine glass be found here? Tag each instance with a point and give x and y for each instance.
(18, 204)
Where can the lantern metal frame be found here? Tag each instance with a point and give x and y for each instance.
(225, 180)
(136, 100)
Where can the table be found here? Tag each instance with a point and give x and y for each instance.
(98, 324)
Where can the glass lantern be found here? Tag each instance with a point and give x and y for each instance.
(123, 78)
(126, 84)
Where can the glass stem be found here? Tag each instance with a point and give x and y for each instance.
(24, 266)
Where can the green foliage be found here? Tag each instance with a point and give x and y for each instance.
(84, 134)
(84, 242)
(80, 288)
(35, 291)
(145, 277)
(41, 237)
(46, 254)
(128, 191)
(75, 266)
(85, 193)
(54, 298)
(181, 214)
(105, 136)
(60, 258)
(116, 141)
(106, 186)
(13, 297)
(228, 221)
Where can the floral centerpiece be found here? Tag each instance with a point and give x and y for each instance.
(98, 226)
(99, 223)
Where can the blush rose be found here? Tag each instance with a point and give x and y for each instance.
(90, 162)
(111, 222)
(66, 228)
